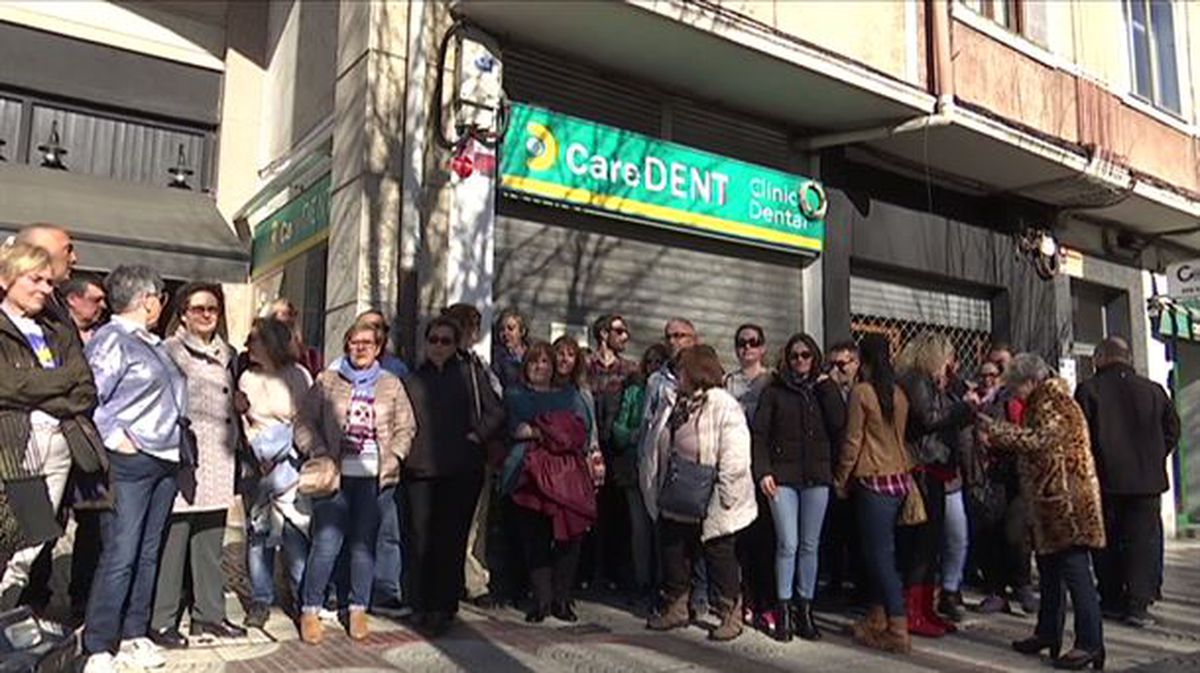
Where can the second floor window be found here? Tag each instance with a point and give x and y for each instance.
(1152, 51)
(1007, 13)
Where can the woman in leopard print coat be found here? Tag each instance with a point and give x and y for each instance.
(1058, 477)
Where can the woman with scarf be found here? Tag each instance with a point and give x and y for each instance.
(275, 385)
(704, 433)
(799, 415)
(552, 563)
(360, 416)
(196, 530)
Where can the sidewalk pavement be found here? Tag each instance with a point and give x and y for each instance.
(610, 638)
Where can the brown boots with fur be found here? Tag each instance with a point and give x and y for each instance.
(880, 632)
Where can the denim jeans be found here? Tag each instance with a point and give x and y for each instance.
(954, 554)
(351, 516)
(389, 549)
(1072, 568)
(799, 514)
(877, 525)
(260, 562)
(119, 608)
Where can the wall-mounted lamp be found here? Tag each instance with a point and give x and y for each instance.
(1042, 249)
(180, 172)
(53, 151)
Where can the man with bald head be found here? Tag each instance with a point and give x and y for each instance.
(1133, 428)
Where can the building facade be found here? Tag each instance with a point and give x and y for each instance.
(994, 169)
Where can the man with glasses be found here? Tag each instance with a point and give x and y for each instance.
(843, 366)
(839, 549)
(607, 374)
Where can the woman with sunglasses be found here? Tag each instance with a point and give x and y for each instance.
(799, 414)
(457, 412)
(358, 415)
(196, 529)
(755, 546)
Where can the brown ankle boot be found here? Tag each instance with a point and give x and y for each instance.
(731, 622)
(358, 624)
(311, 630)
(874, 623)
(896, 637)
(673, 616)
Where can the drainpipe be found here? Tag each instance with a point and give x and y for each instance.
(941, 84)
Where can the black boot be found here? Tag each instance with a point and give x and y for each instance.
(783, 623)
(806, 626)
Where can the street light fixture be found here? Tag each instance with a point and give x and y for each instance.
(180, 171)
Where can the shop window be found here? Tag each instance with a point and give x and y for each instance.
(10, 126)
(1151, 27)
(1006, 13)
(1098, 312)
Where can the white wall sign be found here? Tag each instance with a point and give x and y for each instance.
(1183, 280)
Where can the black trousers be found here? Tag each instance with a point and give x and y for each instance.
(841, 547)
(85, 554)
(1126, 569)
(552, 564)
(440, 510)
(606, 553)
(755, 548)
(919, 548)
(681, 547)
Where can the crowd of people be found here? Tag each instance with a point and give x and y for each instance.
(748, 495)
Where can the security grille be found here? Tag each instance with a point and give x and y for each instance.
(899, 313)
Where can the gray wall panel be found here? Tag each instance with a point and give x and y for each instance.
(553, 272)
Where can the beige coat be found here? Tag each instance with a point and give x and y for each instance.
(874, 447)
(210, 387)
(724, 442)
(319, 431)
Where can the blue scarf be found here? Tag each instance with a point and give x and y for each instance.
(363, 380)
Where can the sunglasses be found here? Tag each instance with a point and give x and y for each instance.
(679, 335)
(802, 355)
(203, 310)
(440, 341)
(988, 375)
(747, 343)
(842, 364)
(620, 331)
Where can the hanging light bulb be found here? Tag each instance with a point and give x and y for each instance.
(180, 171)
(1048, 246)
(53, 151)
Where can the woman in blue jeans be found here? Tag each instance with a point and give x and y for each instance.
(276, 515)
(874, 466)
(360, 417)
(800, 414)
(1058, 477)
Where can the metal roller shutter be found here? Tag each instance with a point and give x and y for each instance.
(559, 274)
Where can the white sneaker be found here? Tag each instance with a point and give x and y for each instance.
(100, 663)
(141, 652)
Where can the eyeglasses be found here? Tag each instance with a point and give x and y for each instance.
(440, 341)
(842, 364)
(203, 310)
(747, 343)
(802, 355)
(988, 375)
(619, 331)
(363, 343)
(680, 335)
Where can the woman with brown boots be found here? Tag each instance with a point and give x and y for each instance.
(875, 464)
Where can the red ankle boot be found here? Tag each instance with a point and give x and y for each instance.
(927, 607)
(918, 623)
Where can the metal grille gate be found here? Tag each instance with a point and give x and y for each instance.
(899, 313)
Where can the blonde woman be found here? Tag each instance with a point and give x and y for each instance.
(46, 396)
(934, 421)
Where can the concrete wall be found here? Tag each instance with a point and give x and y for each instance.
(188, 32)
(302, 42)
(880, 35)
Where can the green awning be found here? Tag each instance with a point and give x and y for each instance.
(1179, 320)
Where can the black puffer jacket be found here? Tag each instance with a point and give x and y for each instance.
(793, 430)
(934, 420)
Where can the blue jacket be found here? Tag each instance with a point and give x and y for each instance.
(139, 389)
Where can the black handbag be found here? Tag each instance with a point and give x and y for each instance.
(687, 489)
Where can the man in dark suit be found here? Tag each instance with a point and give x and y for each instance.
(1134, 428)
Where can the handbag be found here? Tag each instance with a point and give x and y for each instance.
(687, 489)
(912, 510)
(319, 477)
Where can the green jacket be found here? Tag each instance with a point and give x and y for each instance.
(629, 418)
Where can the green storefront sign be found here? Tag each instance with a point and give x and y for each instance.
(293, 229)
(564, 159)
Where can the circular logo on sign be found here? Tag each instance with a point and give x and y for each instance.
(542, 147)
(812, 200)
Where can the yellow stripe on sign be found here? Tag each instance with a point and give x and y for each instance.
(586, 197)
